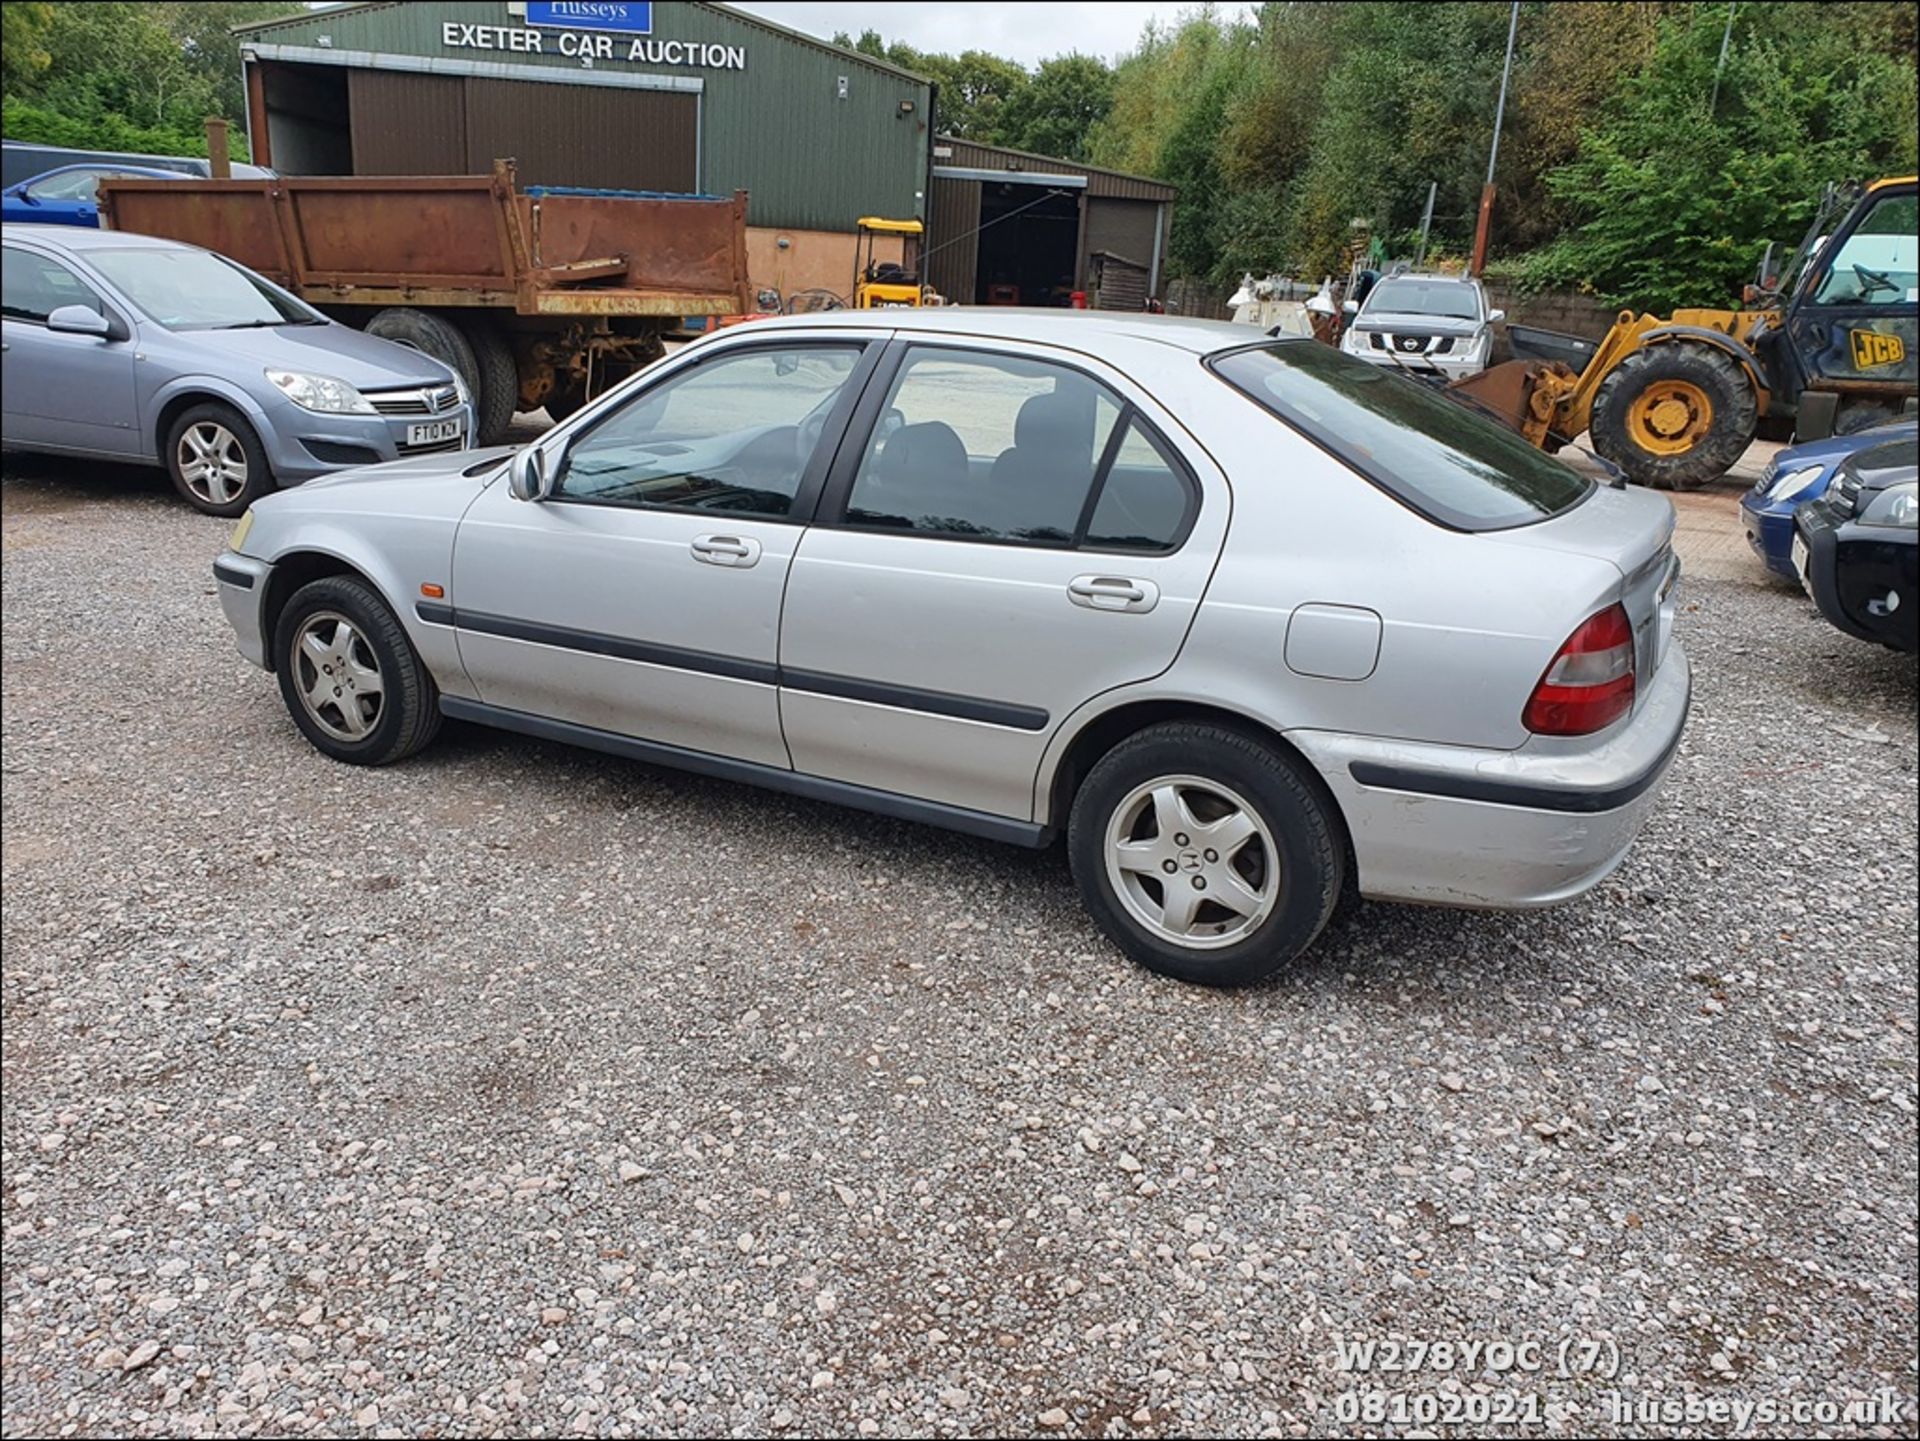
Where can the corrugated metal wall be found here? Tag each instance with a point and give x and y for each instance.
(778, 129)
(407, 124)
(953, 220)
(1122, 227)
(559, 134)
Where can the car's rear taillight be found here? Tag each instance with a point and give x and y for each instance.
(1589, 686)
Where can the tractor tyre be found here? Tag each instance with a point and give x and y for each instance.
(1675, 416)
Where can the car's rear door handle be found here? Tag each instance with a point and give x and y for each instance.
(736, 551)
(1113, 592)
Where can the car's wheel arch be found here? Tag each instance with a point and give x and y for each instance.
(1086, 737)
(301, 566)
(184, 392)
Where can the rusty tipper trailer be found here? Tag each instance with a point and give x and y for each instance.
(541, 298)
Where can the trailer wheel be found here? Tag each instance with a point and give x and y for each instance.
(499, 389)
(1675, 416)
(427, 333)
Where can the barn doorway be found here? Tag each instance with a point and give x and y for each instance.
(1029, 244)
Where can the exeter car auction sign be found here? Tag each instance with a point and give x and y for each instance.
(587, 47)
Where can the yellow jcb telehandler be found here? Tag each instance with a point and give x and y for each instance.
(1827, 346)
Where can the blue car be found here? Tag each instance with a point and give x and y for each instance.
(68, 195)
(1800, 474)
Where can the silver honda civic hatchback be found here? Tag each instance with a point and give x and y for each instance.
(1253, 624)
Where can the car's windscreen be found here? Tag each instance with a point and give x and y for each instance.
(1425, 297)
(197, 290)
(1453, 466)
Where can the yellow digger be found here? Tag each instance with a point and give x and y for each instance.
(1827, 346)
(882, 284)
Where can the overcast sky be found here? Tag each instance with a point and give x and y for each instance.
(1029, 32)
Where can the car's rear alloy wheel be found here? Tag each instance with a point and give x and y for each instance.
(1192, 861)
(350, 677)
(1206, 852)
(337, 676)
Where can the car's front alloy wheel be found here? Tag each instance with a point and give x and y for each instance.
(350, 677)
(337, 676)
(215, 459)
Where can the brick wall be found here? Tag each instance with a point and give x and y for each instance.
(1580, 315)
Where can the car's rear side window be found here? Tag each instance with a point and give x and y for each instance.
(1434, 454)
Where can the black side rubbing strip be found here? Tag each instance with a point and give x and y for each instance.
(931, 702)
(595, 643)
(886, 803)
(935, 702)
(232, 575)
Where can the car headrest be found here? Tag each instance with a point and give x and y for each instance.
(1060, 422)
(930, 453)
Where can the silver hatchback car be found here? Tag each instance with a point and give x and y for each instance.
(1253, 623)
(131, 348)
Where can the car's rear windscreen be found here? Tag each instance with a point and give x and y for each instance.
(1455, 467)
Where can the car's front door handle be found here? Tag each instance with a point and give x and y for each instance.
(1113, 592)
(736, 551)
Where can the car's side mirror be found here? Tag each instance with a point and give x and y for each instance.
(528, 477)
(1494, 317)
(1349, 307)
(80, 320)
(786, 363)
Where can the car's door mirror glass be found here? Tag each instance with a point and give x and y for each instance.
(735, 433)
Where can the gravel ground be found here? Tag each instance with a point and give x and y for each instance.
(516, 1090)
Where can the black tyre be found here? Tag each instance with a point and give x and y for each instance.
(1675, 415)
(429, 334)
(350, 677)
(498, 391)
(215, 459)
(1205, 854)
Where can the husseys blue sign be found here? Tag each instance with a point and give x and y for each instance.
(629, 17)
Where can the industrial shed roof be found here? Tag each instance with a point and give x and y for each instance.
(1112, 184)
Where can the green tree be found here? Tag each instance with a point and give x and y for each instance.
(1055, 112)
(1677, 192)
(23, 41)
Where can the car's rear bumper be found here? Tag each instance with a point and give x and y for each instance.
(242, 581)
(1450, 825)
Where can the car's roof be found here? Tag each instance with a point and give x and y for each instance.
(80, 237)
(1430, 279)
(119, 166)
(1080, 329)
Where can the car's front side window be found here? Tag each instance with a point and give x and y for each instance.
(74, 185)
(980, 446)
(34, 286)
(733, 434)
